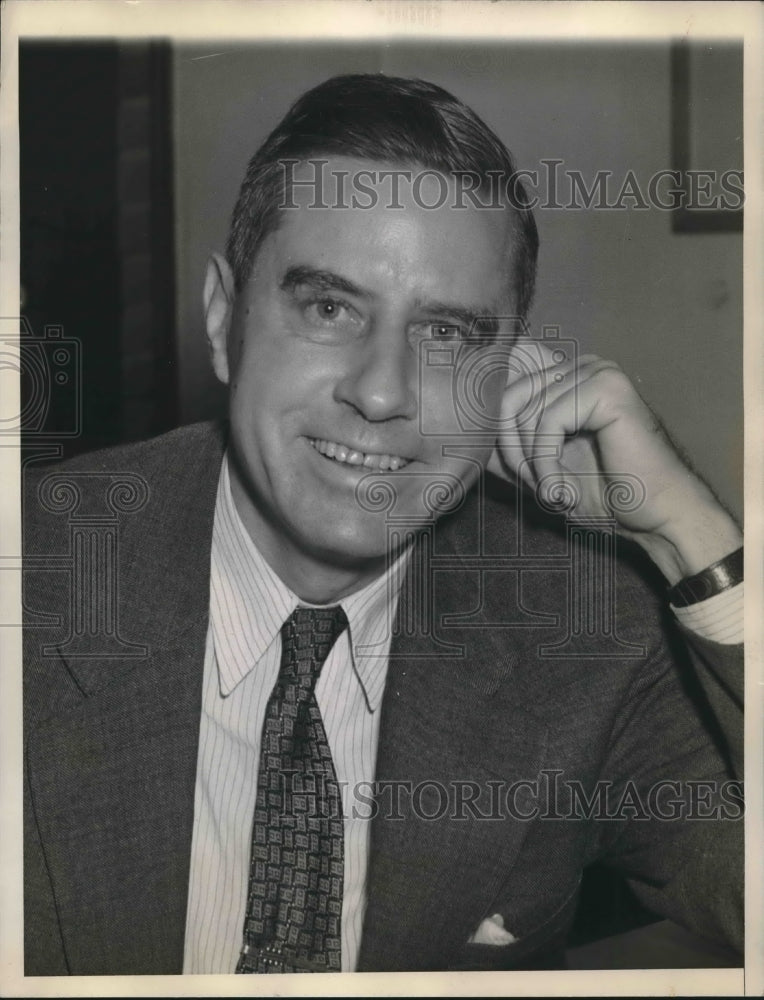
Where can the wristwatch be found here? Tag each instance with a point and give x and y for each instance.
(720, 576)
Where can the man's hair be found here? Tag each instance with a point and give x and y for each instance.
(379, 118)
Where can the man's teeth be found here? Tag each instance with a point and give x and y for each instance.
(350, 457)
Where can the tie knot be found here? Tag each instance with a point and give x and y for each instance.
(307, 637)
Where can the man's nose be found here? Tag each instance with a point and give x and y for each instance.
(381, 379)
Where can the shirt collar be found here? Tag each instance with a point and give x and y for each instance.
(249, 603)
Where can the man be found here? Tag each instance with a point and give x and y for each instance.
(350, 668)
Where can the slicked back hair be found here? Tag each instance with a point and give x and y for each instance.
(383, 119)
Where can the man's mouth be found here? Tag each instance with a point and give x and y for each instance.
(350, 456)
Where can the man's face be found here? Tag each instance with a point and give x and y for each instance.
(321, 351)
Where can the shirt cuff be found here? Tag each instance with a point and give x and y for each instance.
(719, 618)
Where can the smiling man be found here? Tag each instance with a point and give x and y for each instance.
(321, 349)
(379, 717)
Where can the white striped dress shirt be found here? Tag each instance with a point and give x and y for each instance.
(720, 618)
(248, 606)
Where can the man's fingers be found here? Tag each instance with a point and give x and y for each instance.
(536, 380)
(553, 413)
(599, 394)
(512, 453)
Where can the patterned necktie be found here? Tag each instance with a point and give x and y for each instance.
(296, 875)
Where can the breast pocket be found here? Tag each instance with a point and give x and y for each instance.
(542, 947)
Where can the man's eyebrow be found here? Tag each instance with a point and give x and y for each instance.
(320, 280)
(329, 281)
(464, 313)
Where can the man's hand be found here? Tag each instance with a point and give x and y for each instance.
(590, 430)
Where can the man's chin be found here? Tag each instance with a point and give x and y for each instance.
(360, 546)
(360, 554)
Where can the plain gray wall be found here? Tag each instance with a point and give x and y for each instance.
(666, 306)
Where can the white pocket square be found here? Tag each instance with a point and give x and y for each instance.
(492, 931)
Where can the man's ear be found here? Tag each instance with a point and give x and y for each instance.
(219, 295)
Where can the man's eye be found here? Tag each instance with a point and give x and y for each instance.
(447, 331)
(327, 311)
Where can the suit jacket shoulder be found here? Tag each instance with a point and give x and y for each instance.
(130, 523)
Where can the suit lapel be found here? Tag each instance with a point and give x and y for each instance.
(432, 876)
(113, 776)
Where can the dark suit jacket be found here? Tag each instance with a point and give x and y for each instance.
(111, 741)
